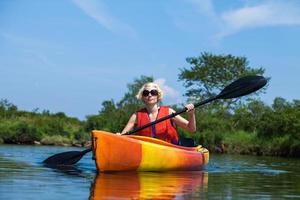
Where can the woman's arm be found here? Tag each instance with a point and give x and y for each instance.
(190, 124)
(130, 124)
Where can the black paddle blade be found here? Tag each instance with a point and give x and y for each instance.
(242, 86)
(66, 158)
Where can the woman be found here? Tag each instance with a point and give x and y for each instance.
(151, 94)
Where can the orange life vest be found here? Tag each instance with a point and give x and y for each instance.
(164, 130)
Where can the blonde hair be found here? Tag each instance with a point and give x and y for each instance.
(149, 84)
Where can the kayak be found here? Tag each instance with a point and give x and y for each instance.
(113, 152)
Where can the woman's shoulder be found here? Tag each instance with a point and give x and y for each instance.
(167, 108)
(141, 110)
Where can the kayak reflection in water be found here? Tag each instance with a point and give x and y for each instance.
(148, 185)
(151, 94)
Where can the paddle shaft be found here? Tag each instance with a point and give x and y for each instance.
(171, 115)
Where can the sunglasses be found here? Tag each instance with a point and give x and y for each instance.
(152, 92)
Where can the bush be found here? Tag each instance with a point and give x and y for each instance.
(19, 132)
(56, 140)
(241, 142)
(213, 140)
(82, 136)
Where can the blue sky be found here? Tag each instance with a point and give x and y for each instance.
(71, 55)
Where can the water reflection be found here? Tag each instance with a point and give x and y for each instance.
(72, 170)
(148, 185)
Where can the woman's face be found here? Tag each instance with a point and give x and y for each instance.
(150, 95)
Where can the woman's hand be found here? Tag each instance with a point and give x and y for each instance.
(190, 108)
(190, 124)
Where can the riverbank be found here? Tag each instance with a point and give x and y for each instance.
(56, 140)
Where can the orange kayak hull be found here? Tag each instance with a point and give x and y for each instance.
(138, 153)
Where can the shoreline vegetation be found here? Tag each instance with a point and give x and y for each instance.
(253, 128)
(242, 126)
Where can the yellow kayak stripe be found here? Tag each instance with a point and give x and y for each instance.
(159, 158)
(154, 158)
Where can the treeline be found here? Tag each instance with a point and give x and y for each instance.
(251, 128)
(244, 125)
(23, 127)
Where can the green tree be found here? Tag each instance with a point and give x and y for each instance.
(208, 74)
(7, 109)
(247, 117)
(280, 104)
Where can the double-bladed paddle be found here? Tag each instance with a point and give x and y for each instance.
(238, 88)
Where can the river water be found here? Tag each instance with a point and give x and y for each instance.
(23, 176)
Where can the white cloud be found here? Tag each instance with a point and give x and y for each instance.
(270, 13)
(169, 92)
(99, 12)
(229, 22)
